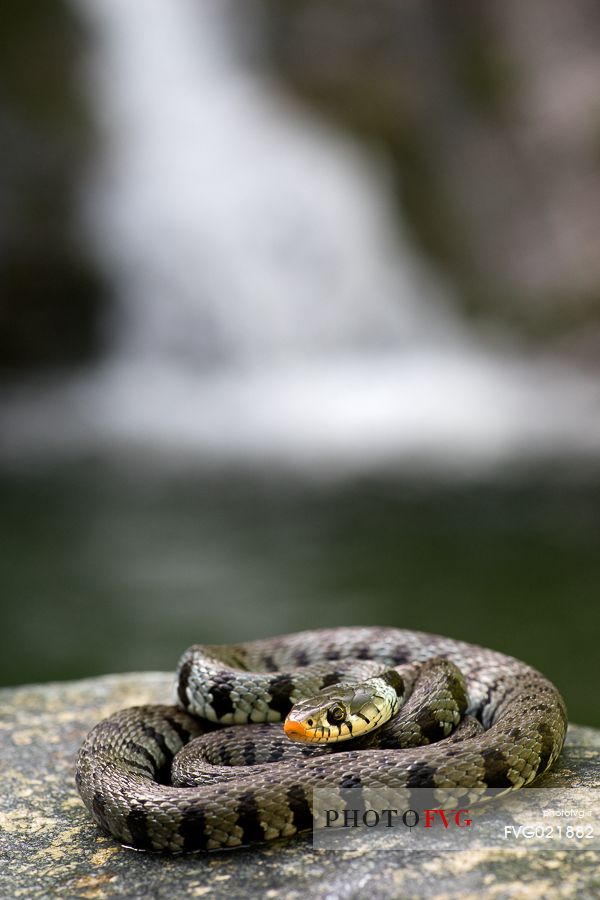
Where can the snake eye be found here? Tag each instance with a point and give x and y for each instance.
(336, 714)
(309, 722)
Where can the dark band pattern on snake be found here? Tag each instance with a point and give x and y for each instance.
(471, 718)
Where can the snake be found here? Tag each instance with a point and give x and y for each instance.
(361, 707)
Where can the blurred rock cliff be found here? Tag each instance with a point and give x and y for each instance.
(491, 112)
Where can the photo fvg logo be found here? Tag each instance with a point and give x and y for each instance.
(393, 818)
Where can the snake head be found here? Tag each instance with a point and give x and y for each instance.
(345, 710)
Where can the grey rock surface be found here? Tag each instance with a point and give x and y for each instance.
(50, 847)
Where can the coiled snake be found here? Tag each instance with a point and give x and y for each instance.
(507, 725)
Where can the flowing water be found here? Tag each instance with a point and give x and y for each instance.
(270, 307)
(291, 427)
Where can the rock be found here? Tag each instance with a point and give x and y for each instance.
(52, 299)
(486, 112)
(49, 846)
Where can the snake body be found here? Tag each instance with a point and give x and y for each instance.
(249, 784)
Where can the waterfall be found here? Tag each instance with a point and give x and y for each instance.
(237, 228)
(269, 304)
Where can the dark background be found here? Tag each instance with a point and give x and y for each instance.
(118, 548)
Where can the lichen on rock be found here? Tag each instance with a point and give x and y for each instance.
(49, 845)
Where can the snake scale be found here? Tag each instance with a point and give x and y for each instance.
(249, 783)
